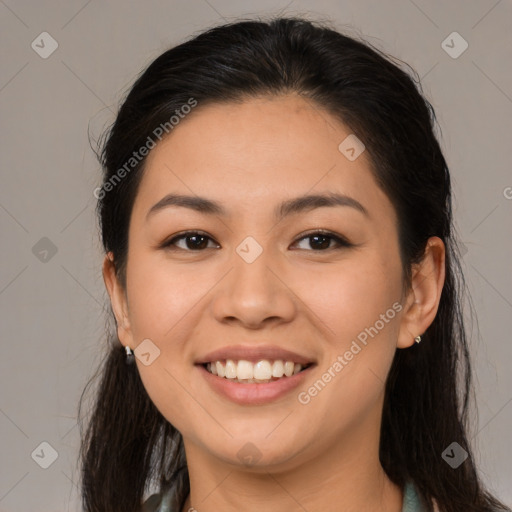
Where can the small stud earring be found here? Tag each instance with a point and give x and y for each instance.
(417, 339)
(129, 355)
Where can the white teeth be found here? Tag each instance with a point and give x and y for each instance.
(262, 370)
(247, 372)
(288, 368)
(230, 369)
(221, 372)
(278, 369)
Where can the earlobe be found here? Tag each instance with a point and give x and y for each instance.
(424, 295)
(117, 299)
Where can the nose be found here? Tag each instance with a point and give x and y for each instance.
(255, 294)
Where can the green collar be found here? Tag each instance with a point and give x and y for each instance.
(412, 502)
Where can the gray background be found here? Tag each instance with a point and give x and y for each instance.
(53, 304)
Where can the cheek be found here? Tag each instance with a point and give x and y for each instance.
(164, 304)
(353, 295)
(360, 304)
(159, 296)
(362, 313)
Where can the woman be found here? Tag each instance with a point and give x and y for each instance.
(282, 268)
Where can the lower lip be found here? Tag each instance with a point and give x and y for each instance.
(254, 394)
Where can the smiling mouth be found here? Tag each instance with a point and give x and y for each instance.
(261, 372)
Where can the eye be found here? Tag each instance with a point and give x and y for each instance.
(321, 240)
(194, 241)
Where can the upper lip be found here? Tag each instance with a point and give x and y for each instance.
(254, 354)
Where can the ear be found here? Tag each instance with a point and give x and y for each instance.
(118, 301)
(422, 301)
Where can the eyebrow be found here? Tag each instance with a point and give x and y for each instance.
(288, 207)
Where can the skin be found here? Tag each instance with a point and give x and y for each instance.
(250, 156)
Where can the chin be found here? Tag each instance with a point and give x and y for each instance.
(258, 456)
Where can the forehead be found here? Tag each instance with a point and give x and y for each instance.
(251, 152)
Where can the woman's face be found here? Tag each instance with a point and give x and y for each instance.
(256, 285)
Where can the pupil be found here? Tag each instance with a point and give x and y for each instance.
(325, 238)
(197, 245)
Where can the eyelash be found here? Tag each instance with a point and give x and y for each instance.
(342, 242)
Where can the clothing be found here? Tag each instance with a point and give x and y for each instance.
(412, 501)
(160, 503)
(164, 502)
